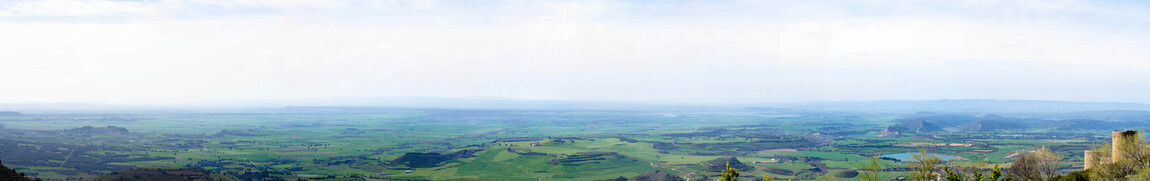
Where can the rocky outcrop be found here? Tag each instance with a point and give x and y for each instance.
(720, 164)
(893, 130)
(909, 126)
(920, 126)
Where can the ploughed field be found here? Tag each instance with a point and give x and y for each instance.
(442, 144)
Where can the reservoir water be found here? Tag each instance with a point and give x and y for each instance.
(907, 155)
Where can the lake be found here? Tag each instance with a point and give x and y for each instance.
(907, 155)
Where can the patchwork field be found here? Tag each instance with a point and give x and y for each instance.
(439, 144)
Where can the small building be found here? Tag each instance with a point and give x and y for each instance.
(407, 171)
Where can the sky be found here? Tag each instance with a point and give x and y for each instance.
(175, 51)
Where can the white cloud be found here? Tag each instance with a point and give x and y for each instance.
(98, 10)
(264, 3)
(559, 50)
(68, 8)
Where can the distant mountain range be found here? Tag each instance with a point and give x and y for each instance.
(896, 106)
(931, 122)
(968, 105)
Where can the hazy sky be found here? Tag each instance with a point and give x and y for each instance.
(166, 51)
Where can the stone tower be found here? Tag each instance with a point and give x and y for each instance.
(1091, 159)
(1119, 140)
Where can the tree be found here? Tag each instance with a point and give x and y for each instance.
(1048, 162)
(1104, 171)
(952, 175)
(767, 178)
(871, 171)
(1081, 175)
(975, 170)
(11, 174)
(922, 165)
(1041, 164)
(965, 172)
(730, 174)
(1026, 168)
(1134, 151)
(1129, 159)
(995, 173)
(977, 175)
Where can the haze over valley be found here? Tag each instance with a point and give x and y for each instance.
(349, 90)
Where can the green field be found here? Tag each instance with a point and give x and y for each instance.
(506, 144)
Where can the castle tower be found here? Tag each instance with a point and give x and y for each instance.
(1091, 159)
(1121, 140)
